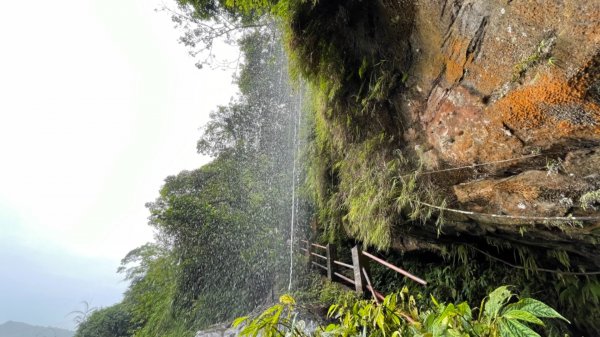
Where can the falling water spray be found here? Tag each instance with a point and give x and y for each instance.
(294, 202)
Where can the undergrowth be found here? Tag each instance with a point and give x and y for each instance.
(501, 314)
(462, 273)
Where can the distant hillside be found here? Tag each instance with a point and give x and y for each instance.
(17, 329)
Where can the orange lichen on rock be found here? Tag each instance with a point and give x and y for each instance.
(523, 108)
(455, 60)
(547, 110)
(520, 188)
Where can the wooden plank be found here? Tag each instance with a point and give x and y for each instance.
(377, 293)
(339, 263)
(369, 285)
(318, 265)
(308, 256)
(396, 269)
(330, 252)
(344, 277)
(358, 263)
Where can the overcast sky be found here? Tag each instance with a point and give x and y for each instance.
(98, 104)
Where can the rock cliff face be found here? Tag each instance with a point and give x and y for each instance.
(504, 99)
(482, 113)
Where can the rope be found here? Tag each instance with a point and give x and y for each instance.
(483, 164)
(490, 163)
(518, 217)
(537, 269)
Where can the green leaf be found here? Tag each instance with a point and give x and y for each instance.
(496, 300)
(509, 328)
(522, 316)
(434, 301)
(454, 333)
(535, 307)
(380, 321)
(239, 321)
(332, 310)
(331, 327)
(287, 299)
(363, 68)
(464, 310)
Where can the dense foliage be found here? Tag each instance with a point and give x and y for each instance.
(114, 321)
(501, 314)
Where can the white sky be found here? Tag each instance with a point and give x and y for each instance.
(98, 104)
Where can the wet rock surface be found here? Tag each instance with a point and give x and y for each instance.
(531, 193)
(507, 93)
(494, 81)
(220, 330)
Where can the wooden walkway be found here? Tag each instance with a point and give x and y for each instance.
(355, 274)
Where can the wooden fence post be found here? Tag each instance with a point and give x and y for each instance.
(308, 257)
(330, 250)
(358, 263)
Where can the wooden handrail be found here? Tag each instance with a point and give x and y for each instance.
(318, 265)
(396, 269)
(345, 278)
(339, 263)
(377, 293)
(369, 285)
(359, 266)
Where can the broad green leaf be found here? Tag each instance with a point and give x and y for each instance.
(395, 317)
(332, 310)
(496, 300)
(464, 310)
(535, 307)
(239, 321)
(509, 328)
(331, 327)
(380, 321)
(270, 310)
(522, 316)
(275, 317)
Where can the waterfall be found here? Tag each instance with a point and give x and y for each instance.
(294, 206)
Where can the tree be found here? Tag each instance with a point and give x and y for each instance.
(206, 21)
(114, 321)
(222, 228)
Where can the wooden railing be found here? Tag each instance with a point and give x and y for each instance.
(355, 274)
